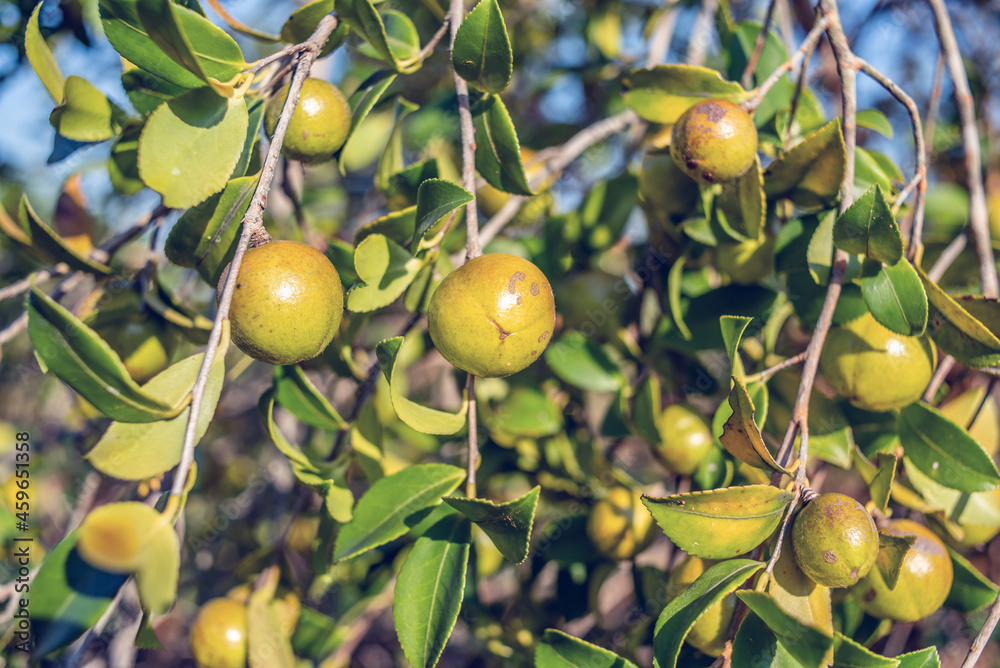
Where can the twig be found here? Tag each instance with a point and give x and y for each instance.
(944, 367)
(278, 55)
(987, 396)
(758, 46)
(807, 47)
(360, 627)
(933, 103)
(663, 32)
(947, 257)
(432, 44)
(784, 529)
(698, 46)
(456, 13)
(983, 637)
(800, 82)
(20, 287)
(21, 322)
(770, 371)
(252, 226)
(978, 215)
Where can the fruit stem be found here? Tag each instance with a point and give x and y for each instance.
(456, 12)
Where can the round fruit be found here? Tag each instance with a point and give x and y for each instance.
(925, 578)
(874, 368)
(595, 301)
(493, 316)
(714, 141)
(619, 525)
(747, 262)
(144, 346)
(685, 439)
(664, 187)
(219, 634)
(319, 124)
(709, 633)
(288, 303)
(834, 540)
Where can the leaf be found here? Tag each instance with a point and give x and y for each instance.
(190, 145)
(498, 153)
(526, 411)
(146, 91)
(956, 331)
(756, 645)
(397, 225)
(945, 452)
(123, 167)
(80, 358)
(873, 119)
(304, 21)
(868, 227)
(732, 327)
(807, 644)
(800, 597)
(85, 114)
(880, 485)
(364, 99)
(561, 650)
(507, 524)
(159, 571)
(721, 523)
(296, 393)
(819, 253)
(923, 658)
(871, 168)
(423, 419)
(971, 591)
(662, 93)
(583, 363)
(675, 280)
(850, 654)
(741, 437)
(392, 158)
(676, 620)
(646, 409)
(267, 644)
(385, 268)
(428, 593)
(481, 53)
(45, 239)
(811, 173)
(889, 560)
(977, 509)
(896, 298)
(362, 17)
(436, 198)
(391, 506)
(40, 57)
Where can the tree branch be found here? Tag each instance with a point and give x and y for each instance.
(758, 46)
(663, 32)
(456, 12)
(983, 637)
(807, 47)
(698, 46)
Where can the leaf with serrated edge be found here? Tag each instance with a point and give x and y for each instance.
(868, 227)
(297, 394)
(896, 298)
(436, 198)
(561, 650)
(646, 409)
(481, 53)
(923, 658)
(847, 652)
(720, 523)
(811, 172)
(891, 551)
(880, 486)
(662, 93)
(507, 524)
(741, 436)
(971, 591)
(498, 152)
(807, 644)
(956, 331)
(385, 268)
(733, 327)
(41, 58)
(423, 419)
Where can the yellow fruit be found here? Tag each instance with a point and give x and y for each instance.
(664, 187)
(986, 428)
(619, 524)
(874, 368)
(924, 578)
(288, 303)
(596, 302)
(714, 141)
(219, 634)
(685, 439)
(114, 537)
(144, 346)
(710, 632)
(747, 262)
(834, 540)
(493, 316)
(319, 124)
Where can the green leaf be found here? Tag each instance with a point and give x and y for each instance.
(498, 153)
(976, 509)
(873, 168)
(364, 99)
(869, 228)
(80, 358)
(733, 327)
(675, 281)
(159, 571)
(662, 93)
(896, 298)
(436, 198)
(561, 650)
(250, 154)
(756, 645)
(363, 18)
(682, 612)
(944, 451)
(889, 560)
(44, 238)
(296, 393)
(971, 591)
(391, 506)
(147, 91)
(873, 119)
(85, 114)
(507, 524)
(880, 485)
(428, 593)
(772, 56)
(138, 451)
(190, 145)
(741, 437)
(646, 409)
(304, 21)
(481, 54)
(385, 268)
(923, 658)
(721, 523)
(40, 57)
(123, 164)
(811, 173)
(806, 644)
(956, 330)
(740, 208)
(581, 362)
(397, 225)
(267, 644)
(850, 654)
(405, 184)
(526, 411)
(423, 419)
(392, 158)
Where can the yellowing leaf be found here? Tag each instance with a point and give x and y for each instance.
(740, 435)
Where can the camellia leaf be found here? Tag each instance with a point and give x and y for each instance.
(847, 652)
(757, 645)
(526, 411)
(800, 598)
(582, 362)
(732, 327)
(956, 331)
(880, 485)
(365, 20)
(873, 119)
(296, 393)
(190, 145)
(398, 226)
(721, 523)
(662, 93)
(896, 298)
(646, 409)
(423, 419)
(971, 591)
(147, 91)
(807, 644)
(868, 227)
(43, 238)
(428, 593)
(682, 612)
(923, 658)
(740, 208)
(891, 551)
(304, 21)
(364, 99)
(268, 646)
(392, 157)
(675, 280)
(41, 58)
(481, 54)
(507, 524)
(874, 168)
(498, 153)
(944, 451)
(811, 172)
(387, 509)
(741, 436)
(385, 268)
(976, 509)
(561, 650)
(436, 198)
(123, 166)
(85, 114)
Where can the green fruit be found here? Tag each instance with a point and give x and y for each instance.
(834, 540)
(925, 578)
(596, 302)
(319, 125)
(619, 525)
(144, 346)
(664, 187)
(288, 303)
(219, 634)
(710, 632)
(747, 262)
(493, 316)
(874, 368)
(685, 439)
(714, 141)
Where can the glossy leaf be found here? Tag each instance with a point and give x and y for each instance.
(869, 228)
(526, 411)
(741, 436)
(581, 362)
(675, 280)
(398, 226)
(364, 99)
(159, 571)
(741, 207)
(811, 172)
(507, 524)
(851, 654)
(423, 419)
(971, 591)
(721, 523)
(41, 58)
(662, 93)
(498, 153)
(147, 91)
(807, 644)
(363, 18)
(956, 331)
(977, 509)
(561, 650)
(896, 298)
(85, 114)
(391, 506)
(481, 53)
(646, 409)
(819, 254)
(385, 268)
(923, 658)
(756, 645)
(392, 157)
(891, 551)
(880, 485)
(45, 239)
(436, 198)
(873, 119)
(429, 591)
(304, 21)
(732, 327)
(874, 168)
(123, 165)
(297, 394)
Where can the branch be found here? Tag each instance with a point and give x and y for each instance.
(252, 226)
(947, 257)
(432, 44)
(758, 46)
(698, 46)
(456, 12)
(983, 637)
(807, 47)
(663, 32)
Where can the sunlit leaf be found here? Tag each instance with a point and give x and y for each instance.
(423, 419)
(507, 524)
(482, 54)
(662, 93)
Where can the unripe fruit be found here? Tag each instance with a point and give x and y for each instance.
(685, 439)
(288, 302)
(319, 125)
(664, 187)
(747, 262)
(714, 141)
(834, 540)
(874, 368)
(619, 524)
(144, 346)
(596, 302)
(710, 632)
(219, 634)
(493, 316)
(925, 578)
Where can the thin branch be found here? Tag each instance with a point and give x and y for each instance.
(933, 103)
(252, 227)
(807, 47)
(698, 46)
(758, 46)
(20, 287)
(978, 215)
(947, 257)
(456, 13)
(663, 32)
(21, 322)
(944, 367)
(800, 82)
(432, 44)
(780, 366)
(278, 55)
(983, 637)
